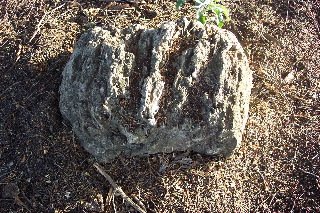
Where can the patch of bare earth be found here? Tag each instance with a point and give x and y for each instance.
(43, 168)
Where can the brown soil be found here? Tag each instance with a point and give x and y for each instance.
(44, 169)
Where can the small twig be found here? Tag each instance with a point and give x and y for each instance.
(10, 87)
(275, 194)
(21, 204)
(315, 156)
(39, 25)
(139, 202)
(109, 196)
(314, 175)
(114, 205)
(122, 1)
(118, 188)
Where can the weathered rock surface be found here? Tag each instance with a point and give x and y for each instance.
(142, 91)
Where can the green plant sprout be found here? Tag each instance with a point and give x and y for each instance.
(205, 7)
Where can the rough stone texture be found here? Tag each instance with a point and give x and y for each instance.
(142, 91)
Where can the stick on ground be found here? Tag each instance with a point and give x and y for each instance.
(118, 188)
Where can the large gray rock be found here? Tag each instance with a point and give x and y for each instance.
(143, 91)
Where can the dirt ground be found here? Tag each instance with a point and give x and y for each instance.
(44, 169)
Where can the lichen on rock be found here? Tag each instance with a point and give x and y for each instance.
(143, 91)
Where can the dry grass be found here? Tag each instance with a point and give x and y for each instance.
(276, 168)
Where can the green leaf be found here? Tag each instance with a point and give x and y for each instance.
(225, 12)
(220, 20)
(204, 8)
(221, 13)
(202, 18)
(198, 2)
(180, 4)
(220, 24)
